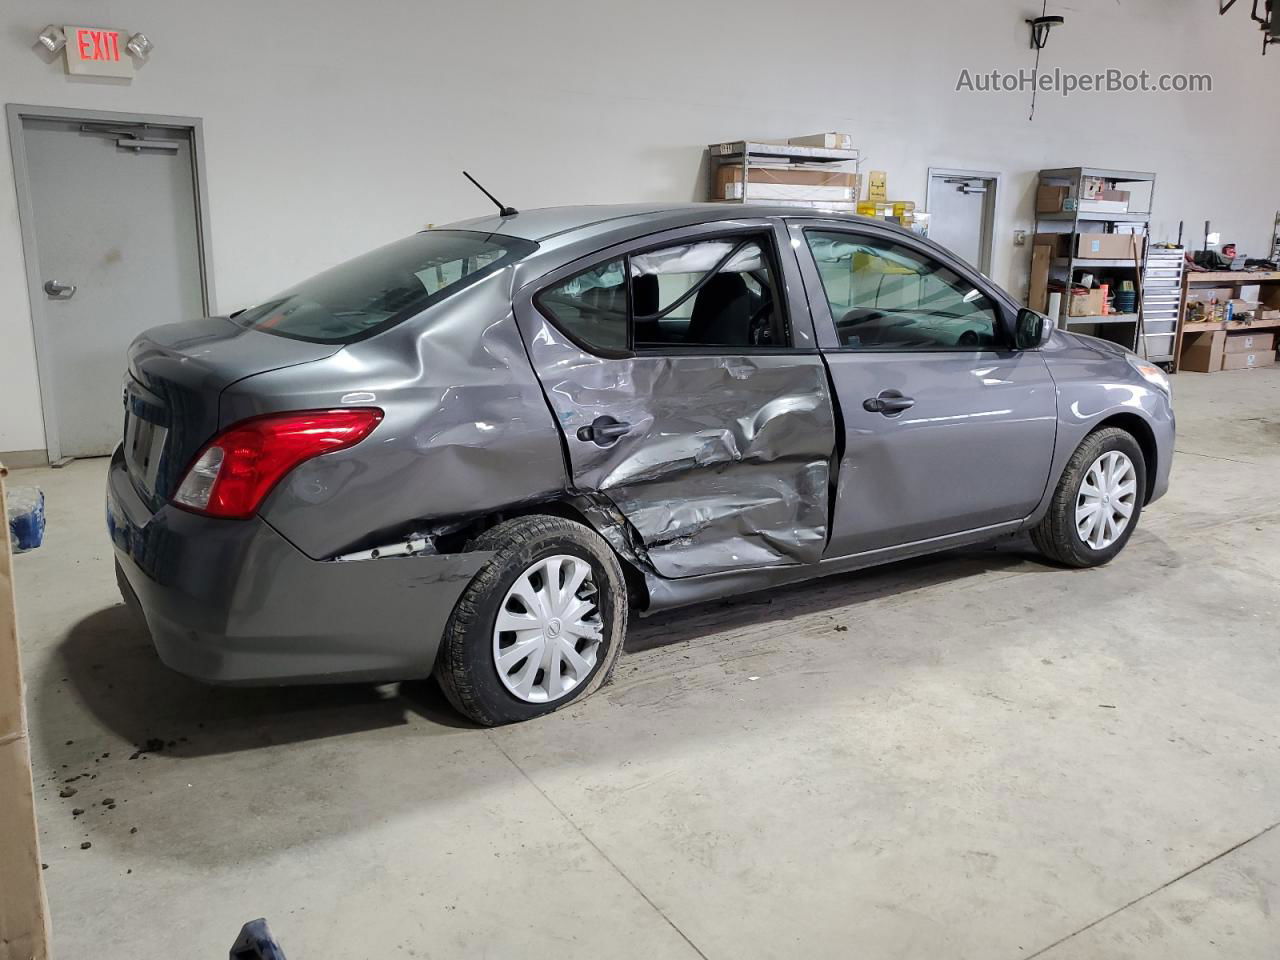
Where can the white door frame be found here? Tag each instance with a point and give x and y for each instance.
(18, 112)
(986, 244)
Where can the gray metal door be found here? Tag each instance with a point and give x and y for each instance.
(720, 455)
(972, 451)
(946, 428)
(117, 244)
(961, 214)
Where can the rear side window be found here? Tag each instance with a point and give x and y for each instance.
(373, 292)
(717, 293)
(592, 306)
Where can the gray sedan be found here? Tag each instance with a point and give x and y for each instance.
(474, 452)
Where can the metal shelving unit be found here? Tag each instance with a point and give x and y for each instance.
(1069, 267)
(745, 153)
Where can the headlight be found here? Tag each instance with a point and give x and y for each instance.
(1149, 372)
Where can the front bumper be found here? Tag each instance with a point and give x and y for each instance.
(232, 601)
(1165, 431)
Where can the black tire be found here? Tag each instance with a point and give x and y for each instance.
(465, 668)
(1056, 535)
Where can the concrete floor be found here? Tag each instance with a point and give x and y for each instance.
(997, 759)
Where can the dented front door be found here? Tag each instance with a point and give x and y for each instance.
(719, 458)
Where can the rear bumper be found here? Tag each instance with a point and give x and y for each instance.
(232, 601)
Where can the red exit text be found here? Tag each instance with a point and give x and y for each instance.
(98, 44)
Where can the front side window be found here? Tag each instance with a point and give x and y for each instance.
(886, 296)
(366, 295)
(708, 293)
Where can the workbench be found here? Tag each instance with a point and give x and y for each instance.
(1224, 278)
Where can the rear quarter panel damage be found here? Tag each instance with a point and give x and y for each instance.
(466, 430)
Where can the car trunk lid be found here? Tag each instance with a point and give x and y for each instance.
(177, 374)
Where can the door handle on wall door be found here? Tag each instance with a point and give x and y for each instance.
(888, 402)
(56, 288)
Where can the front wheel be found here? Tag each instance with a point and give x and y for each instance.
(539, 627)
(1097, 502)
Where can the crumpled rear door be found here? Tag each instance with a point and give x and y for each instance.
(721, 458)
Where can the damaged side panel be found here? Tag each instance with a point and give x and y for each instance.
(465, 431)
(726, 461)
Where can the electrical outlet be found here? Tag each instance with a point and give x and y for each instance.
(1019, 238)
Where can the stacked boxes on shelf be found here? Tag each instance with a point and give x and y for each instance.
(812, 171)
(777, 183)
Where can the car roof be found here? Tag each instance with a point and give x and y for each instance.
(546, 222)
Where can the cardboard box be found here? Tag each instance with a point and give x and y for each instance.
(1247, 361)
(1050, 199)
(1085, 304)
(786, 183)
(1203, 352)
(1058, 243)
(1038, 282)
(1096, 188)
(877, 186)
(1103, 206)
(1250, 343)
(24, 913)
(828, 141)
(1108, 246)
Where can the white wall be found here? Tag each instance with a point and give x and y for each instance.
(333, 126)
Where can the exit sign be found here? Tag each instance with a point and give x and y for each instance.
(97, 52)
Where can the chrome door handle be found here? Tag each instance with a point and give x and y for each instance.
(888, 402)
(56, 288)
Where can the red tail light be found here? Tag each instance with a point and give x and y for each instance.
(238, 468)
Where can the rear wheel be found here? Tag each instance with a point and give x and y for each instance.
(1097, 503)
(539, 627)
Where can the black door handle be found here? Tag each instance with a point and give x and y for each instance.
(888, 402)
(602, 431)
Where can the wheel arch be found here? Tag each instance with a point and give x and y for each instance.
(598, 515)
(1140, 430)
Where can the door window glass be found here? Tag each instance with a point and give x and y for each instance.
(591, 306)
(719, 293)
(886, 296)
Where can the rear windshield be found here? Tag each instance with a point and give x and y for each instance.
(373, 292)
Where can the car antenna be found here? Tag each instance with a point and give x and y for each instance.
(503, 209)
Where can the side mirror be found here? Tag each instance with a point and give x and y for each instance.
(1031, 329)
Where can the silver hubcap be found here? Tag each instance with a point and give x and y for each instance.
(548, 631)
(1106, 500)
